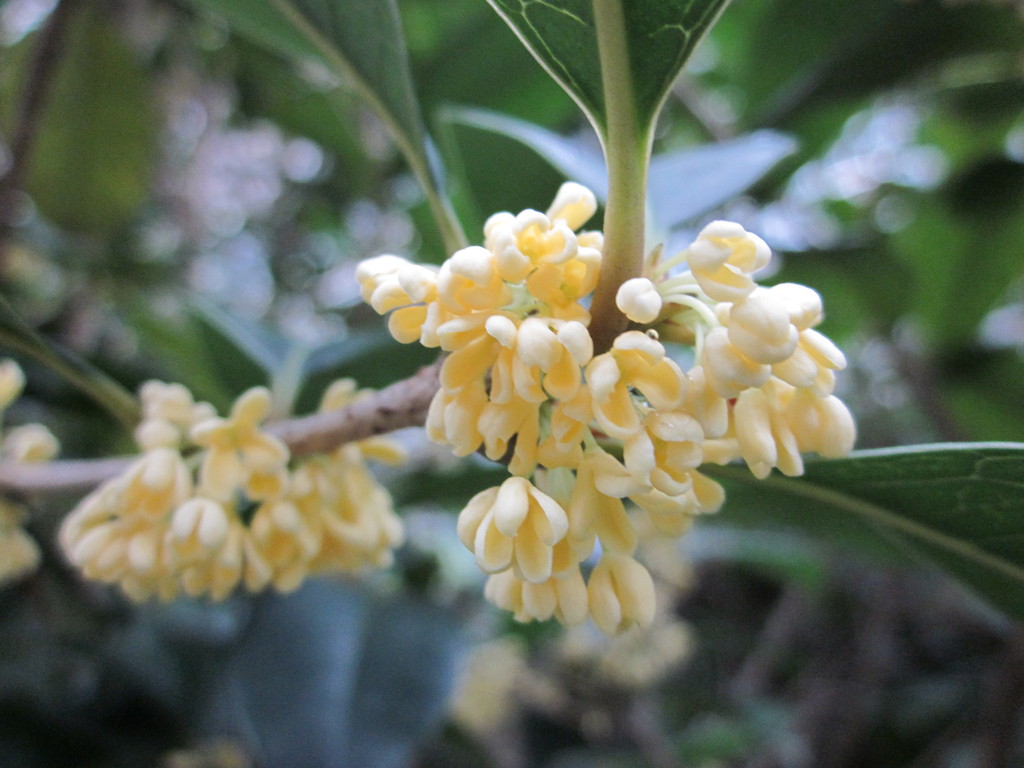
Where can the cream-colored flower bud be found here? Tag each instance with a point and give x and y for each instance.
(562, 597)
(821, 424)
(804, 304)
(515, 525)
(30, 443)
(198, 526)
(812, 363)
(502, 329)
(594, 512)
(621, 594)
(727, 370)
(370, 272)
(536, 344)
(724, 257)
(639, 300)
(469, 282)
(157, 433)
(760, 327)
(574, 204)
(575, 337)
(763, 434)
(419, 282)
(12, 382)
(19, 553)
(706, 405)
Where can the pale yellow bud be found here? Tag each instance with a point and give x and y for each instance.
(12, 382)
(621, 594)
(639, 300)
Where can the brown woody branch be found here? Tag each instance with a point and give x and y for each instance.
(402, 404)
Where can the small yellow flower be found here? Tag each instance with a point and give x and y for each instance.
(563, 597)
(29, 443)
(239, 456)
(514, 526)
(723, 258)
(19, 553)
(635, 362)
(12, 382)
(621, 594)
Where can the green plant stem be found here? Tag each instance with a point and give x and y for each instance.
(627, 147)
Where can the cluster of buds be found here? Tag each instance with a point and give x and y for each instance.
(28, 443)
(215, 502)
(583, 433)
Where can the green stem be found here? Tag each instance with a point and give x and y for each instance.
(627, 147)
(110, 395)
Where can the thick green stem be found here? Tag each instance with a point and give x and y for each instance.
(627, 152)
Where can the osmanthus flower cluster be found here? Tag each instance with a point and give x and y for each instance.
(584, 433)
(28, 443)
(217, 502)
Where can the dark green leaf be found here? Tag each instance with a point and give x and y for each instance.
(659, 36)
(958, 506)
(333, 677)
(359, 41)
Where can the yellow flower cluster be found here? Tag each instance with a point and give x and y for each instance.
(581, 433)
(29, 443)
(216, 502)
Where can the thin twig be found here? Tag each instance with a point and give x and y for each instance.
(402, 404)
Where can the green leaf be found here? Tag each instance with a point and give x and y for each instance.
(958, 506)
(361, 42)
(359, 679)
(658, 37)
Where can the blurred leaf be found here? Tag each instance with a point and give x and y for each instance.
(256, 341)
(96, 141)
(982, 388)
(782, 555)
(360, 41)
(959, 506)
(406, 673)
(373, 358)
(865, 288)
(328, 677)
(964, 248)
(819, 60)
(682, 184)
(202, 346)
(573, 158)
(658, 36)
(18, 336)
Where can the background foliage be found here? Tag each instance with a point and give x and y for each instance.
(187, 200)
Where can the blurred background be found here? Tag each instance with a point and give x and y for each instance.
(176, 202)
